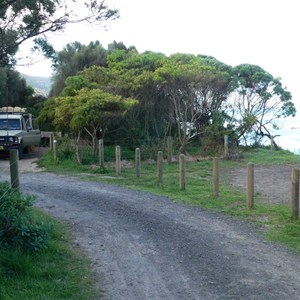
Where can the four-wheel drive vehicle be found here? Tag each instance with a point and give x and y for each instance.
(16, 130)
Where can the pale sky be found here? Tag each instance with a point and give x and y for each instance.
(260, 32)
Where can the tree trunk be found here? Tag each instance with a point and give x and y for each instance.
(182, 149)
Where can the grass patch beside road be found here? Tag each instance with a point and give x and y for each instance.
(58, 272)
(275, 217)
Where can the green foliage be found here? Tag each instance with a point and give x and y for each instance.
(46, 116)
(90, 110)
(58, 272)
(26, 19)
(196, 91)
(260, 99)
(73, 58)
(18, 229)
(181, 95)
(13, 89)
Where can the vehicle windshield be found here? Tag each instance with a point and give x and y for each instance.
(10, 124)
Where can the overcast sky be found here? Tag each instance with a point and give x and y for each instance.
(261, 32)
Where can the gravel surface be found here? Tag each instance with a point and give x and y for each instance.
(146, 247)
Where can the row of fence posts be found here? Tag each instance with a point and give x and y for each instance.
(182, 171)
(182, 177)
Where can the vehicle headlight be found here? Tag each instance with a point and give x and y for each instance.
(13, 139)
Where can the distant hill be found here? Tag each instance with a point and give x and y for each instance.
(41, 85)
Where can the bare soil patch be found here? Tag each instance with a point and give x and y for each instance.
(27, 164)
(272, 183)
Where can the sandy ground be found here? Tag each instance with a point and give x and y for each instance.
(27, 164)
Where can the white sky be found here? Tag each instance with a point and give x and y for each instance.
(261, 32)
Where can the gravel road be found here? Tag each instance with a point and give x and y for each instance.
(146, 247)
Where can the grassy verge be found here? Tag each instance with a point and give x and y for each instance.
(276, 218)
(58, 272)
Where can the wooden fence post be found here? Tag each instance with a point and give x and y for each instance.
(250, 185)
(55, 150)
(138, 162)
(226, 151)
(14, 169)
(182, 172)
(295, 194)
(160, 167)
(170, 149)
(101, 154)
(51, 141)
(216, 176)
(118, 161)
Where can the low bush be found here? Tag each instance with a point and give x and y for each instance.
(18, 228)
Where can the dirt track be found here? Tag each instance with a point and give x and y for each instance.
(145, 247)
(27, 164)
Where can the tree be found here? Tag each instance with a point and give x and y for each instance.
(128, 74)
(196, 91)
(163, 85)
(21, 20)
(132, 75)
(74, 58)
(89, 110)
(13, 89)
(258, 100)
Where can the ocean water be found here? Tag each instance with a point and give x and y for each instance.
(289, 131)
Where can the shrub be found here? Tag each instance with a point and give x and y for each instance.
(18, 229)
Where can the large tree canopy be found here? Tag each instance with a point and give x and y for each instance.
(13, 89)
(74, 58)
(196, 90)
(21, 20)
(258, 100)
(182, 95)
(89, 111)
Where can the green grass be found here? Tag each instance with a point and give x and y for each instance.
(59, 272)
(275, 218)
(265, 156)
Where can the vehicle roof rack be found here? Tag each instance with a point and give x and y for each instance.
(12, 110)
(9, 110)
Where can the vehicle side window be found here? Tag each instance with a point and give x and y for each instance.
(28, 125)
